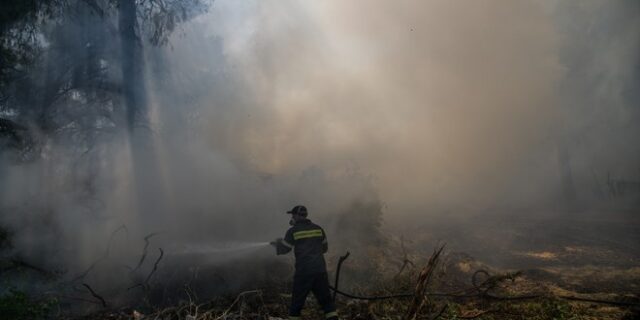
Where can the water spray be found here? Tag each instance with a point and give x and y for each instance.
(221, 248)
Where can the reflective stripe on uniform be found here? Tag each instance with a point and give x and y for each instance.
(286, 244)
(330, 314)
(307, 234)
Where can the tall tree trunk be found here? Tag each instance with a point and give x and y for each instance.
(147, 192)
(133, 83)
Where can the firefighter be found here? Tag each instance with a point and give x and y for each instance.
(309, 243)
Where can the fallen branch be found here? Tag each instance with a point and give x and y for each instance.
(405, 261)
(144, 251)
(155, 266)
(419, 297)
(145, 284)
(491, 281)
(372, 298)
(95, 295)
(476, 315)
(242, 294)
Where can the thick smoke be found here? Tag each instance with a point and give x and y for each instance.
(417, 107)
(447, 104)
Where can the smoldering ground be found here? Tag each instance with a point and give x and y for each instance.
(415, 109)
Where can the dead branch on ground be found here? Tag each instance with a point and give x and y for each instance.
(405, 258)
(95, 295)
(420, 293)
(144, 251)
(145, 284)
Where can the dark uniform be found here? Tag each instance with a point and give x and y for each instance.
(309, 243)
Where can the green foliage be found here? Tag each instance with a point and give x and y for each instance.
(16, 305)
(18, 22)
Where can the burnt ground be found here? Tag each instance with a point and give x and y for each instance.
(580, 254)
(584, 256)
(583, 252)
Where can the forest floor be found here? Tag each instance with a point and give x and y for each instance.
(492, 267)
(533, 268)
